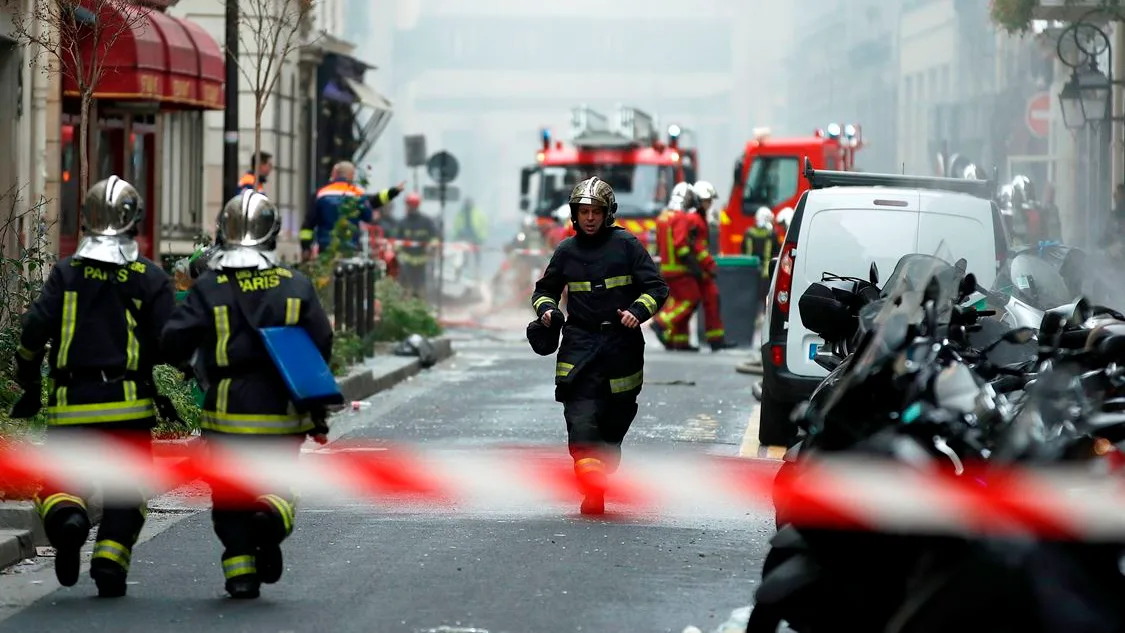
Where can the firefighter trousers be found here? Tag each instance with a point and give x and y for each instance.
(123, 515)
(595, 428)
(672, 320)
(412, 277)
(251, 525)
(712, 318)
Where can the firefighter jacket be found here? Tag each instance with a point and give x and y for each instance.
(247, 182)
(102, 352)
(420, 233)
(670, 266)
(246, 394)
(690, 231)
(759, 242)
(602, 274)
(332, 201)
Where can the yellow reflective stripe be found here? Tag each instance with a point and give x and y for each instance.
(628, 383)
(132, 345)
(254, 424)
(543, 301)
(129, 389)
(62, 415)
(588, 465)
(292, 311)
(305, 234)
(384, 196)
(239, 566)
(46, 505)
(702, 255)
(25, 353)
(648, 302)
(724, 219)
(563, 369)
(222, 333)
(671, 247)
(579, 286)
(114, 551)
(672, 268)
(683, 250)
(60, 397)
(617, 282)
(69, 319)
(680, 338)
(285, 510)
(714, 333)
(222, 395)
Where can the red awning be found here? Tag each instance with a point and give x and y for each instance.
(212, 66)
(149, 56)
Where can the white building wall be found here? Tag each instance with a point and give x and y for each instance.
(927, 76)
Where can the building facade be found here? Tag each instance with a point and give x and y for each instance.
(29, 136)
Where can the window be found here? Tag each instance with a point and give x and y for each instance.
(772, 180)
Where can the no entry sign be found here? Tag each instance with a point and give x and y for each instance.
(1039, 114)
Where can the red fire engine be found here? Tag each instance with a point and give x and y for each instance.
(768, 174)
(630, 156)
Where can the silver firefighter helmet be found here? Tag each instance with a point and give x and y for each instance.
(247, 232)
(111, 214)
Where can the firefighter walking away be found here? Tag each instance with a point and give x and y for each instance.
(247, 404)
(101, 311)
(613, 287)
(679, 269)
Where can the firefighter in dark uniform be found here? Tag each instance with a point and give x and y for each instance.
(101, 310)
(613, 286)
(421, 236)
(247, 404)
(760, 240)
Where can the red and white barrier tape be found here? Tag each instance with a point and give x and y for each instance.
(1057, 503)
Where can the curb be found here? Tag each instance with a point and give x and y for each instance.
(365, 382)
(15, 546)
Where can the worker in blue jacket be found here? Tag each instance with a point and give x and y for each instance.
(342, 194)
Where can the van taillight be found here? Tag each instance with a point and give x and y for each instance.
(784, 278)
(777, 355)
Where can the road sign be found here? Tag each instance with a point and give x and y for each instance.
(1038, 117)
(434, 192)
(443, 167)
(415, 150)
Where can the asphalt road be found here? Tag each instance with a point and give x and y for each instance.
(513, 569)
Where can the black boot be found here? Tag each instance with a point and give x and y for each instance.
(109, 577)
(721, 344)
(244, 587)
(68, 536)
(268, 559)
(660, 332)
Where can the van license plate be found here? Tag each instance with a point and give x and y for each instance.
(813, 347)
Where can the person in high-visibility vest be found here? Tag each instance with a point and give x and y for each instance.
(760, 241)
(261, 166)
(671, 324)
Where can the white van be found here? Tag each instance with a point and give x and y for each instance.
(842, 230)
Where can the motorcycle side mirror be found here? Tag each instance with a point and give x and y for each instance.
(873, 274)
(968, 286)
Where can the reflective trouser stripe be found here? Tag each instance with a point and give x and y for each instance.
(238, 566)
(66, 332)
(254, 424)
(46, 505)
(679, 338)
(628, 383)
(285, 509)
(588, 465)
(222, 335)
(714, 334)
(114, 551)
(292, 311)
(63, 415)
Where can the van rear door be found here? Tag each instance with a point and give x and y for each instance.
(854, 229)
(960, 226)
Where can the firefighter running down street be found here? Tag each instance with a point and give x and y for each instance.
(421, 235)
(671, 324)
(699, 233)
(613, 287)
(247, 404)
(101, 310)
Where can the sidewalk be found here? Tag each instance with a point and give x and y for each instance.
(21, 531)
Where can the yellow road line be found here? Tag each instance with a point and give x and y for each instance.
(750, 447)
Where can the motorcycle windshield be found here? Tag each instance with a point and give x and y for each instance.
(892, 319)
(1034, 281)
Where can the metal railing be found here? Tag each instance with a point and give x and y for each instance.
(354, 295)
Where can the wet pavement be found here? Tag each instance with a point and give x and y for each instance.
(515, 568)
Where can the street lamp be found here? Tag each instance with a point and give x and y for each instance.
(1070, 102)
(1095, 89)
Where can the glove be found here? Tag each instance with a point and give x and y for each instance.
(29, 373)
(29, 404)
(166, 410)
(319, 432)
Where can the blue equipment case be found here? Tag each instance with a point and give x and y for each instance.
(300, 364)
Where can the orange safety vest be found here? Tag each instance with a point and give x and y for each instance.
(247, 182)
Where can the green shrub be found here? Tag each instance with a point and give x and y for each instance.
(403, 315)
(180, 389)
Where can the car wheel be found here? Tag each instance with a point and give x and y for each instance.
(774, 427)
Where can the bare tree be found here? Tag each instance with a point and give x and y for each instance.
(270, 31)
(75, 40)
